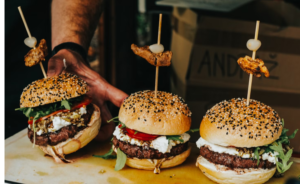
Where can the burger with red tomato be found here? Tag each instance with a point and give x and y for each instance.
(152, 132)
(61, 118)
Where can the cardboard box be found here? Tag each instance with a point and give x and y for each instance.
(205, 70)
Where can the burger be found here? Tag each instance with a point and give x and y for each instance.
(243, 144)
(61, 118)
(152, 132)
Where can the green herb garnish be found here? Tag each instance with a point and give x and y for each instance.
(66, 104)
(284, 155)
(175, 138)
(121, 160)
(256, 154)
(45, 110)
(108, 155)
(115, 119)
(193, 130)
(283, 165)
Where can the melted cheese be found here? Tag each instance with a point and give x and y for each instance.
(161, 143)
(271, 157)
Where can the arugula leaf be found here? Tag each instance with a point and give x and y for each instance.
(49, 108)
(284, 156)
(293, 134)
(256, 154)
(115, 119)
(283, 165)
(36, 117)
(27, 111)
(193, 130)
(175, 138)
(122, 125)
(121, 160)
(66, 104)
(107, 155)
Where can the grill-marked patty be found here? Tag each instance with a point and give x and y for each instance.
(53, 138)
(147, 152)
(233, 161)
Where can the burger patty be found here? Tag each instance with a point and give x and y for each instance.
(53, 138)
(233, 161)
(142, 152)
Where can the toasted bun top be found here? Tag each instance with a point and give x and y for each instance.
(233, 123)
(53, 89)
(165, 115)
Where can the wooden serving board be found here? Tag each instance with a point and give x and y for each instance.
(25, 164)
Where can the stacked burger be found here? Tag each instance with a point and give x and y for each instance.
(61, 118)
(152, 132)
(243, 144)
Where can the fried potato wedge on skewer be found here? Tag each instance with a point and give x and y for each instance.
(160, 59)
(255, 67)
(36, 55)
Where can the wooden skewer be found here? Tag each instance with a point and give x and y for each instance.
(253, 57)
(43, 70)
(29, 34)
(158, 42)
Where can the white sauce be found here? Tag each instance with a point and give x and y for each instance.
(161, 143)
(58, 123)
(232, 151)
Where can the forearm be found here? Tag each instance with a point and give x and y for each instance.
(74, 21)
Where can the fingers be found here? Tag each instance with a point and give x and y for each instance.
(106, 129)
(55, 66)
(115, 95)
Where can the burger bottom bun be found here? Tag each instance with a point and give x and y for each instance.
(81, 139)
(157, 164)
(222, 174)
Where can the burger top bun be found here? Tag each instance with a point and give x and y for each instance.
(233, 123)
(165, 115)
(53, 89)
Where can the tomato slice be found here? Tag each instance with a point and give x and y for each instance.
(139, 135)
(86, 101)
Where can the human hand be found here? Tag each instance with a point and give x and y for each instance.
(100, 90)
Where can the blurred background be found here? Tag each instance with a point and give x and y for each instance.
(206, 38)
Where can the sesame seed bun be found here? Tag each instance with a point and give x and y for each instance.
(150, 164)
(53, 89)
(233, 123)
(224, 175)
(165, 115)
(81, 139)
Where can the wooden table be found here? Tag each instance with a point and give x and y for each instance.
(25, 164)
